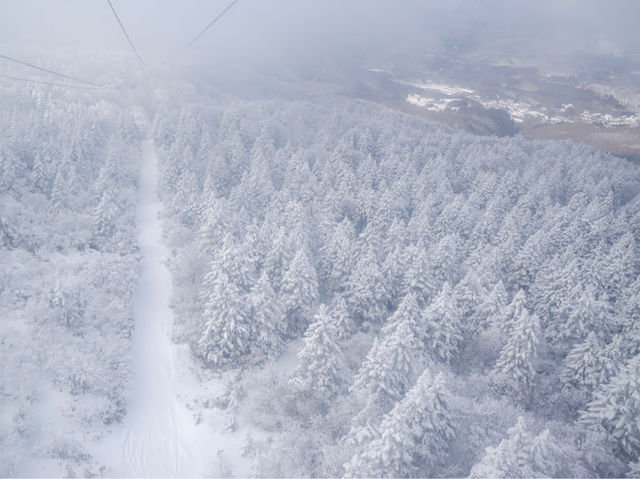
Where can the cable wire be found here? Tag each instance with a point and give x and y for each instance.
(68, 77)
(124, 30)
(41, 82)
(197, 37)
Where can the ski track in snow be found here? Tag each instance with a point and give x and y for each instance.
(159, 436)
(157, 426)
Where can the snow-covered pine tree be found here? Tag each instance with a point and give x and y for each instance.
(278, 256)
(387, 372)
(228, 329)
(621, 265)
(219, 179)
(589, 310)
(410, 313)
(412, 438)
(523, 454)
(212, 219)
(394, 269)
(586, 365)
(469, 293)
(236, 263)
(320, 370)
(59, 191)
(366, 293)
(615, 410)
(345, 324)
(268, 321)
(515, 368)
(445, 259)
(418, 278)
(510, 314)
(8, 170)
(299, 292)
(490, 308)
(104, 216)
(442, 326)
(40, 173)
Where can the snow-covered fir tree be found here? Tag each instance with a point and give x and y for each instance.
(516, 366)
(228, 333)
(615, 410)
(321, 367)
(412, 438)
(299, 291)
(442, 323)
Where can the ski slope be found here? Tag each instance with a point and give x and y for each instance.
(159, 436)
(157, 429)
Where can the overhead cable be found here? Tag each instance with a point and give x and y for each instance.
(124, 30)
(41, 82)
(63, 75)
(204, 30)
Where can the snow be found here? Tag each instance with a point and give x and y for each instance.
(159, 436)
(444, 89)
(431, 104)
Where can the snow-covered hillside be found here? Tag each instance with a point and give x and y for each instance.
(69, 269)
(454, 298)
(307, 285)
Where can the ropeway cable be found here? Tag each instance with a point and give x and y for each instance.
(63, 75)
(41, 82)
(124, 30)
(204, 30)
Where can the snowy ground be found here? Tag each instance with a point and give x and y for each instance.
(159, 436)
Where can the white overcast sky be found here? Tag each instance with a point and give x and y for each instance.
(160, 27)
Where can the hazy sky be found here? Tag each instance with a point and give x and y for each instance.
(348, 27)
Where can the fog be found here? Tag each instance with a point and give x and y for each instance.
(288, 30)
(322, 238)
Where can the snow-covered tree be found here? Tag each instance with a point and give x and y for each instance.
(277, 258)
(469, 293)
(515, 368)
(418, 278)
(490, 308)
(524, 454)
(442, 323)
(615, 410)
(228, 332)
(299, 291)
(345, 324)
(236, 263)
(366, 292)
(40, 173)
(394, 269)
(589, 310)
(320, 370)
(586, 365)
(59, 191)
(510, 314)
(621, 265)
(104, 217)
(268, 321)
(412, 438)
(388, 370)
(409, 314)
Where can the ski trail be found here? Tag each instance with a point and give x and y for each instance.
(159, 432)
(159, 436)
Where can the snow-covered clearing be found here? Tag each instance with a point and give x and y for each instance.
(159, 436)
(438, 87)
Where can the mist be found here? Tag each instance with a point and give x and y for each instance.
(322, 238)
(288, 31)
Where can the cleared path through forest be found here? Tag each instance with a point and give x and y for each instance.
(160, 436)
